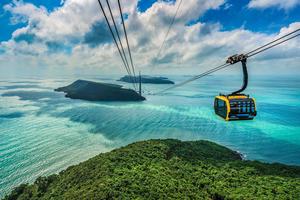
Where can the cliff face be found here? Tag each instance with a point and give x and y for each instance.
(161, 169)
(93, 91)
(146, 79)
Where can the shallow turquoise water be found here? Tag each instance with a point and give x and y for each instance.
(41, 132)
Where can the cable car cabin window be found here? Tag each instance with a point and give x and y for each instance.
(244, 106)
(220, 107)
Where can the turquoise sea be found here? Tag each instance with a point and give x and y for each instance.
(42, 132)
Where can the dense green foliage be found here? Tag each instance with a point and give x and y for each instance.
(162, 169)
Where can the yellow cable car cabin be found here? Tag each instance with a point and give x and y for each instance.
(236, 106)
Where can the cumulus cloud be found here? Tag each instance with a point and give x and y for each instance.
(76, 35)
(286, 4)
(98, 34)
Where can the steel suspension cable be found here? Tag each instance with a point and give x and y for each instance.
(195, 77)
(169, 28)
(125, 32)
(269, 47)
(272, 41)
(122, 48)
(111, 31)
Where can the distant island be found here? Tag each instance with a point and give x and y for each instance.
(167, 169)
(146, 79)
(94, 91)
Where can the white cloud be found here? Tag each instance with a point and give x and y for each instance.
(283, 4)
(190, 49)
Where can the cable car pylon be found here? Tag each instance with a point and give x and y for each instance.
(140, 83)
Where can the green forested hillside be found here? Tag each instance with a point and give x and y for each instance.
(167, 169)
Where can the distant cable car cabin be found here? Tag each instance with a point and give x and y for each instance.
(236, 106)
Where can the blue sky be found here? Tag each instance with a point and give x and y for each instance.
(73, 33)
(9, 27)
(266, 20)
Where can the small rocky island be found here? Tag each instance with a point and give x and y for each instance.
(146, 79)
(94, 91)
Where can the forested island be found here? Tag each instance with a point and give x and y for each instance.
(146, 79)
(94, 91)
(161, 169)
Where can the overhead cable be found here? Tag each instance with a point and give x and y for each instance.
(114, 38)
(269, 47)
(273, 41)
(118, 35)
(169, 28)
(128, 47)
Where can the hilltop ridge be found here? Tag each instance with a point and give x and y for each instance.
(160, 169)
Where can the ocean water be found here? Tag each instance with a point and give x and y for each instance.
(42, 132)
